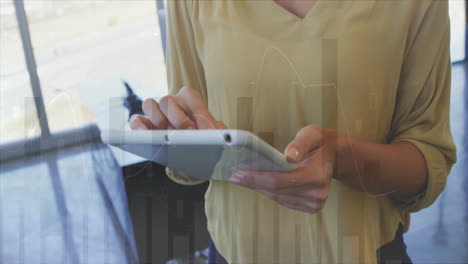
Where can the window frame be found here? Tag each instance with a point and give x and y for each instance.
(25, 35)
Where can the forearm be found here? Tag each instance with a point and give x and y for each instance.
(396, 169)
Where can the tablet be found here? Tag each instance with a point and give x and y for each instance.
(202, 154)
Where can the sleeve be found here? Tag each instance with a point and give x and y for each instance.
(182, 180)
(184, 67)
(421, 115)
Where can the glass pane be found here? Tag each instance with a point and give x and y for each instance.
(457, 19)
(84, 52)
(18, 118)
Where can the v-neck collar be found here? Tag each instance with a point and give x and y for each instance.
(294, 16)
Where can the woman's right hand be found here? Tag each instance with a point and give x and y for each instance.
(186, 110)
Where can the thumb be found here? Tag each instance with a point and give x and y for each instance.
(307, 140)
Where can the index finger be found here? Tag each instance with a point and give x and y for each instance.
(193, 104)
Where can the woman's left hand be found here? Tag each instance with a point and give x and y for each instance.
(306, 188)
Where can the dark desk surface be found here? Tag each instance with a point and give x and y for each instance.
(65, 207)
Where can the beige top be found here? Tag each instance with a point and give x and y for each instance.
(378, 70)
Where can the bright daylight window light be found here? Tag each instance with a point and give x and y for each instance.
(457, 10)
(121, 19)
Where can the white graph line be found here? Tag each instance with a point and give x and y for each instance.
(36, 125)
(339, 105)
(273, 48)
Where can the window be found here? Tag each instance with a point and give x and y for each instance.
(457, 9)
(18, 117)
(83, 52)
(86, 49)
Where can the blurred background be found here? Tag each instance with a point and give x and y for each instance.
(63, 64)
(83, 49)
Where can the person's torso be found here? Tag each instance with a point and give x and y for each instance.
(272, 73)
